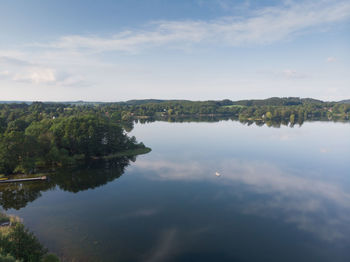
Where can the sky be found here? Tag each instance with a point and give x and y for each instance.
(109, 51)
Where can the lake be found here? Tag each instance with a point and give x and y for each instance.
(220, 191)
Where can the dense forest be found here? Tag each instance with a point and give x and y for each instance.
(36, 136)
(43, 136)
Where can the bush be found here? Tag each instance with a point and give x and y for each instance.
(7, 258)
(22, 244)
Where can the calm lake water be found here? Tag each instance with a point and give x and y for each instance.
(283, 194)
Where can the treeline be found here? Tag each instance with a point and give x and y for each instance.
(276, 109)
(124, 112)
(44, 136)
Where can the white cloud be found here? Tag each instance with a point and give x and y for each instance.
(293, 74)
(264, 26)
(324, 150)
(21, 70)
(331, 59)
(4, 73)
(45, 69)
(36, 76)
(12, 60)
(80, 60)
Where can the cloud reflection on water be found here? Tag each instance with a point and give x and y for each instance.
(313, 205)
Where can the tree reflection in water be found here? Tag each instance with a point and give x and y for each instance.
(93, 174)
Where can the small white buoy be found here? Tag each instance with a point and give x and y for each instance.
(217, 174)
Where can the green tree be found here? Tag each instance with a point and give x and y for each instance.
(22, 244)
(7, 258)
(292, 119)
(268, 115)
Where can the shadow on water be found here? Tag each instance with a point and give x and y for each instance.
(89, 176)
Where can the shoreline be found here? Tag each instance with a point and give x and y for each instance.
(37, 176)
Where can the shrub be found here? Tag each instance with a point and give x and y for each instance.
(22, 244)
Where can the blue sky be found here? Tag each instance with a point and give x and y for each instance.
(184, 49)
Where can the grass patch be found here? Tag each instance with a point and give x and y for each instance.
(131, 152)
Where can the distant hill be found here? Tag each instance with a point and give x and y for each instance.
(143, 101)
(278, 101)
(16, 102)
(50, 102)
(150, 101)
(272, 101)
